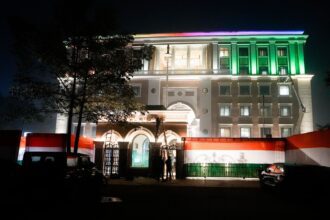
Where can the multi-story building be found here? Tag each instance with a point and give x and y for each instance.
(248, 84)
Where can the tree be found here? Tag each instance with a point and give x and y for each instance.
(77, 66)
(327, 79)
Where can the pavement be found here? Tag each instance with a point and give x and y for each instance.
(190, 182)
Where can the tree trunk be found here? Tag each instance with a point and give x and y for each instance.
(70, 116)
(81, 109)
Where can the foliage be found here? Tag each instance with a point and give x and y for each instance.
(76, 66)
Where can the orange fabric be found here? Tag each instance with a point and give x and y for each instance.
(314, 139)
(84, 142)
(233, 144)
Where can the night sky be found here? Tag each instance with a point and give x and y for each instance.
(205, 15)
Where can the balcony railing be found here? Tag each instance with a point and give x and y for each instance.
(182, 72)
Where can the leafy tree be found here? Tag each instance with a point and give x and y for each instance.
(77, 66)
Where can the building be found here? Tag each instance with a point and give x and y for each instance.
(245, 84)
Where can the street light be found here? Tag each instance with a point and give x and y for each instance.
(167, 56)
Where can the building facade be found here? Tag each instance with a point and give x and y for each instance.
(237, 84)
(245, 84)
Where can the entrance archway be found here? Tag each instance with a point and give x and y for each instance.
(192, 121)
(140, 151)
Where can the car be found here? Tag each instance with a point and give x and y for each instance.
(283, 175)
(66, 176)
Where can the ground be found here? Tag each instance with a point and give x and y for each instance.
(202, 199)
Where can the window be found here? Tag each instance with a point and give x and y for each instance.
(265, 111)
(263, 70)
(140, 151)
(284, 90)
(262, 52)
(265, 132)
(137, 90)
(245, 110)
(224, 58)
(196, 57)
(285, 111)
(243, 70)
(244, 61)
(283, 70)
(286, 132)
(225, 110)
(281, 51)
(225, 132)
(181, 57)
(243, 52)
(244, 89)
(245, 132)
(264, 90)
(224, 52)
(224, 89)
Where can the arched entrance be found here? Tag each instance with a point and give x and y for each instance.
(190, 117)
(140, 151)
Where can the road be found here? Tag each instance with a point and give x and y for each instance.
(195, 199)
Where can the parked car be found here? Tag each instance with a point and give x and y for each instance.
(65, 176)
(294, 176)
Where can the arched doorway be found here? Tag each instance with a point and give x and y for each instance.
(140, 151)
(192, 121)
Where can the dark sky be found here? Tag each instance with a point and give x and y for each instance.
(144, 16)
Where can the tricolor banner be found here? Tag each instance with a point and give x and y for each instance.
(310, 148)
(234, 150)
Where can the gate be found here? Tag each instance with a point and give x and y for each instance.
(111, 159)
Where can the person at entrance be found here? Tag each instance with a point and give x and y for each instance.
(169, 168)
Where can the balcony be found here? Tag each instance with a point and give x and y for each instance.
(182, 72)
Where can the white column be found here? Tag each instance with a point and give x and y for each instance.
(215, 55)
(304, 91)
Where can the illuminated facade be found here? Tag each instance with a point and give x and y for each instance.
(245, 84)
(237, 84)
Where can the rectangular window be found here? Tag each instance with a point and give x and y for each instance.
(262, 52)
(224, 58)
(265, 132)
(264, 90)
(181, 57)
(136, 90)
(263, 70)
(225, 110)
(265, 111)
(285, 111)
(224, 52)
(224, 89)
(284, 90)
(286, 132)
(283, 70)
(244, 90)
(282, 52)
(225, 132)
(243, 52)
(196, 57)
(245, 132)
(245, 110)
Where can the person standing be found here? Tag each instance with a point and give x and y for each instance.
(169, 168)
